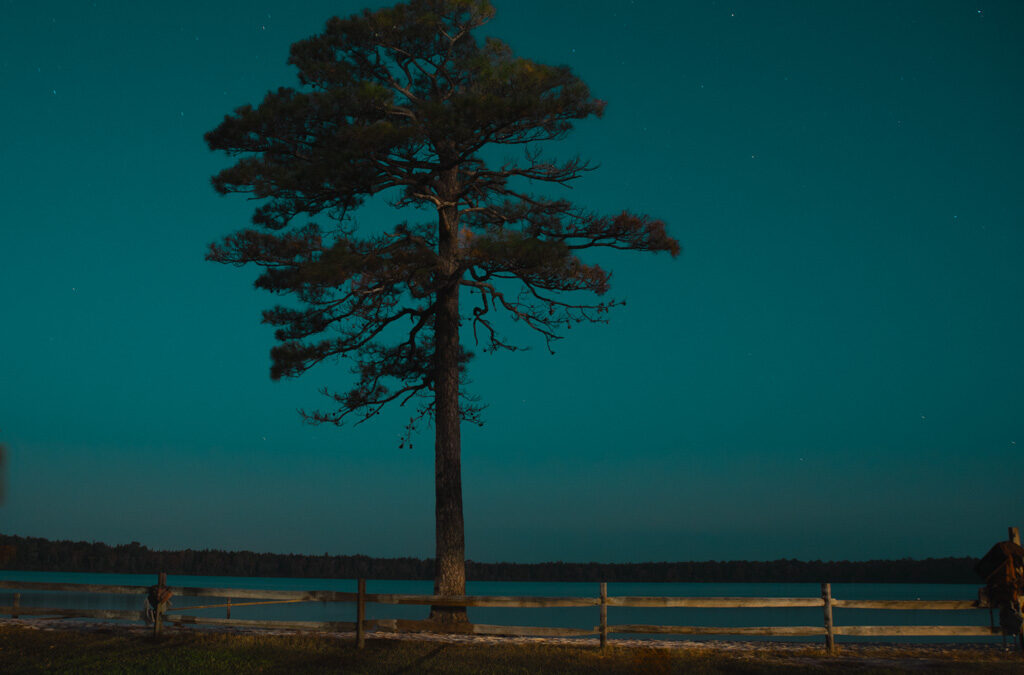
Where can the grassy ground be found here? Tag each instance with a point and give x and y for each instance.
(25, 650)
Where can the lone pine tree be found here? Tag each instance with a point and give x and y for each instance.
(404, 102)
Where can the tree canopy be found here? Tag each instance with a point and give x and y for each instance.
(404, 101)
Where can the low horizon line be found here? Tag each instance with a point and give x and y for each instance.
(480, 562)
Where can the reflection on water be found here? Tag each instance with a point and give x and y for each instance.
(568, 617)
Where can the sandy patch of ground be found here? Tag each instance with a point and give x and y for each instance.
(879, 654)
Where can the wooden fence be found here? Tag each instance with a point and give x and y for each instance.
(827, 630)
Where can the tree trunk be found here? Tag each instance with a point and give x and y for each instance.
(450, 559)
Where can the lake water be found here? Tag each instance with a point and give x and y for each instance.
(570, 617)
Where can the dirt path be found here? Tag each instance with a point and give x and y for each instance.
(868, 651)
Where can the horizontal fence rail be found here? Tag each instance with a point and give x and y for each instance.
(603, 601)
(77, 588)
(631, 601)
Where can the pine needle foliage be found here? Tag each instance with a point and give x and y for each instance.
(403, 101)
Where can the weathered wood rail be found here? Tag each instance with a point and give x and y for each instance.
(826, 602)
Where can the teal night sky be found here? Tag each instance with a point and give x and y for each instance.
(832, 369)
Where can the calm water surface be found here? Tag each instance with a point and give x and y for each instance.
(574, 617)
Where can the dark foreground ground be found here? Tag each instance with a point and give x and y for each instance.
(30, 647)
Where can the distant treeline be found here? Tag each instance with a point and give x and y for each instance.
(32, 554)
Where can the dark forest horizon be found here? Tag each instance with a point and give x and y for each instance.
(19, 553)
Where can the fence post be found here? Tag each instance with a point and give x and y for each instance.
(17, 604)
(158, 611)
(229, 609)
(361, 615)
(830, 638)
(604, 614)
